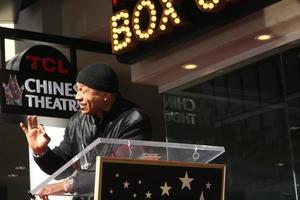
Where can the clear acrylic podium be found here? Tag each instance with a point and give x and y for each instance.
(85, 161)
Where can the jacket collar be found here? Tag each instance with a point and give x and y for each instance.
(118, 107)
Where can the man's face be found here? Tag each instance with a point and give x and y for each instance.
(90, 100)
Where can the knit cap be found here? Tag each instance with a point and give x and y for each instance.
(99, 76)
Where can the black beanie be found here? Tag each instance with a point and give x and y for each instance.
(99, 76)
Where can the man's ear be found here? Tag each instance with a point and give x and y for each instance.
(109, 97)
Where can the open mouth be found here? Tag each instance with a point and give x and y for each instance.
(82, 106)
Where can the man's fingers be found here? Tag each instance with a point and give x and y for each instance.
(46, 137)
(43, 197)
(43, 132)
(29, 121)
(23, 127)
(41, 128)
(32, 121)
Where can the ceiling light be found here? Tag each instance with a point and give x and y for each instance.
(189, 66)
(263, 37)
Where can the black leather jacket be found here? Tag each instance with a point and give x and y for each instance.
(125, 121)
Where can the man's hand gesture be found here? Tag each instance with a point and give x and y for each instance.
(36, 136)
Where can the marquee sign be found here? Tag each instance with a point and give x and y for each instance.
(39, 81)
(126, 31)
(139, 26)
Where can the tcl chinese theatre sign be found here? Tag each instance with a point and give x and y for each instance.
(39, 81)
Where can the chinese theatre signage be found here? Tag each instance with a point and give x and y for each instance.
(140, 25)
(153, 179)
(180, 110)
(39, 81)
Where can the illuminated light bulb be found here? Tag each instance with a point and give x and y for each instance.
(153, 18)
(126, 15)
(129, 34)
(138, 32)
(174, 15)
(124, 44)
(189, 66)
(164, 1)
(205, 6)
(116, 48)
(113, 18)
(153, 12)
(121, 14)
(141, 35)
(201, 2)
(144, 3)
(151, 7)
(167, 12)
(137, 13)
(153, 25)
(116, 42)
(114, 24)
(136, 20)
(128, 40)
(149, 3)
(120, 46)
(165, 19)
(177, 20)
(211, 6)
(146, 35)
(169, 5)
(115, 36)
(136, 26)
(126, 21)
(162, 27)
(150, 31)
(216, 1)
(140, 7)
(171, 10)
(115, 30)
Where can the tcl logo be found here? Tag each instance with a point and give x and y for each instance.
(48, 64)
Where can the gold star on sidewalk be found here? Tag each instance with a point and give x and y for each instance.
(165, 189)
(186, 181)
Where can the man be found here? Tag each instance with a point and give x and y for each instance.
(103, 113)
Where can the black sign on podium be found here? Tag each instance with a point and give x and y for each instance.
(142, 170)
(151, 179)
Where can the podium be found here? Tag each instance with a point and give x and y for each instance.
(117, 169)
